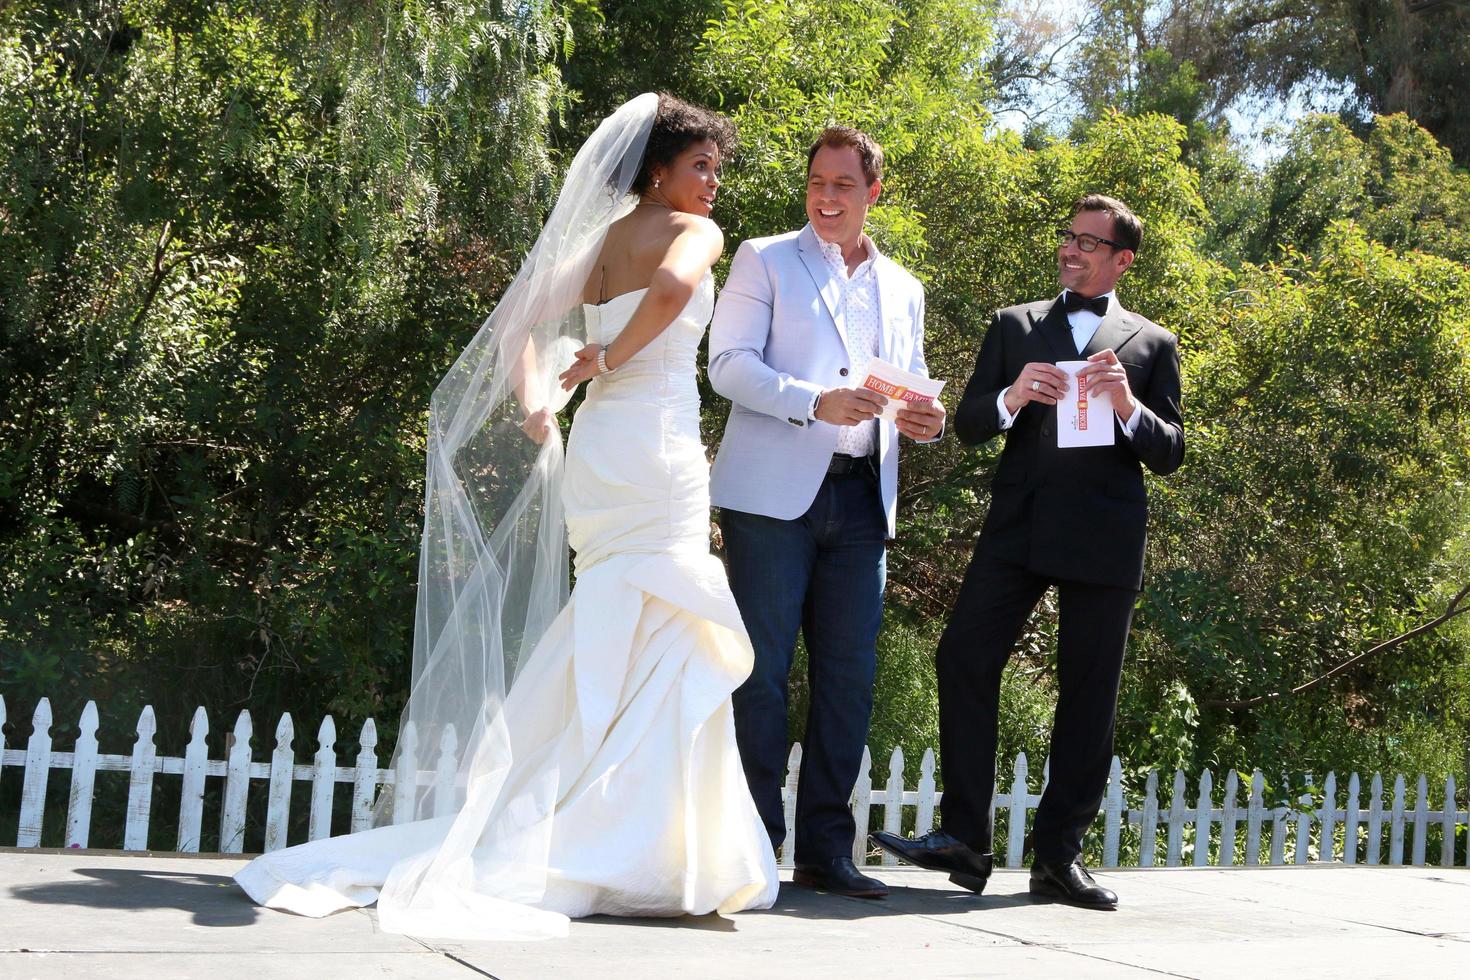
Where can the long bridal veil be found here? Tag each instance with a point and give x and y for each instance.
(493, 575)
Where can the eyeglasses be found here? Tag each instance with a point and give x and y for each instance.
(1086, 242)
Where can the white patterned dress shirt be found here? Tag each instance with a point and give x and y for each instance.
(858, 307)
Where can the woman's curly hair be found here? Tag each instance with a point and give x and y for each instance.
(678, 126)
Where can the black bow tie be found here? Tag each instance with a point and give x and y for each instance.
(1074, 302)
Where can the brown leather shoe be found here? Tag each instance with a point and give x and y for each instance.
(840, 877)
(1070, 883)
(940, 851)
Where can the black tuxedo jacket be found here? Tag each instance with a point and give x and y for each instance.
(1077, 514)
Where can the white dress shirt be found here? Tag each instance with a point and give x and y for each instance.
(859, 307)
(1084, 324)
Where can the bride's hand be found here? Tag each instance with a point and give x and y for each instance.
(538, 425)
(583, 369)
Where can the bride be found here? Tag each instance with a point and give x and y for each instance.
(591, 734)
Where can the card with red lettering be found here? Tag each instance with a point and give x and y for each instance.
(1083, 418)
(898, 386)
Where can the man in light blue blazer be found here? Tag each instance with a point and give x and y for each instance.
(807, 482)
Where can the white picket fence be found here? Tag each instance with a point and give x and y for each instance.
(1200, 830)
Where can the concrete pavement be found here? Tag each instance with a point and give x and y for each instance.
(104, 915)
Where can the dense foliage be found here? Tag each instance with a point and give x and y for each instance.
(237, 248)
(240, 242)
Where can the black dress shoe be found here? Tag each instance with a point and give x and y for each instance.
(1072, 884)
(939, 851)
(840, 877)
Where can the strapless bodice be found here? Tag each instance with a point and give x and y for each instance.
(671, 353)
(637, 479)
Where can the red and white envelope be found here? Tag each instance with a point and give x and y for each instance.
(1083, 418)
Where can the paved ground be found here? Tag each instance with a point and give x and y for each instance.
(103, 915)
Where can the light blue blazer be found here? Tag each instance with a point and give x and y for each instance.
(777, 339)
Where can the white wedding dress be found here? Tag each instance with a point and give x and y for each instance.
(624, 704)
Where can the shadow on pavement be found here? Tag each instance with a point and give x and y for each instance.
(806, 903)
(713, 922)
(796, 901)
(212, 900)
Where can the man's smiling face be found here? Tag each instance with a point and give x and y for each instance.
(838, 195)
(1096, 272)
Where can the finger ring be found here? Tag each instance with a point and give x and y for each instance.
(1036, 386)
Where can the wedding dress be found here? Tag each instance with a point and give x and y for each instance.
(620, 723)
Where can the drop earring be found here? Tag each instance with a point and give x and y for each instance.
(657, 183)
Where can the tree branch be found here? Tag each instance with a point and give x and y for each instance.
(160, 271)
(1451, 611)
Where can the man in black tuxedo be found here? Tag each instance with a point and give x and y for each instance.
(1074, 518)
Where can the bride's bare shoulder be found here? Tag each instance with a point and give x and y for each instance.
(700, 228)
(697, 223)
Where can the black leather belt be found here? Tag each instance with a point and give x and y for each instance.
(845, 465)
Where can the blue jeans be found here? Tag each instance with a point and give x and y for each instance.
(822, 574)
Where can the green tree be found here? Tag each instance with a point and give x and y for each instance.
(238, 244)
(1397, 182)
(1323, 511)
(1408, 57)
(624, 47)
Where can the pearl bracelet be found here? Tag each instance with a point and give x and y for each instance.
(602, 367)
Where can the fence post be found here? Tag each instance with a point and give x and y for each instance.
(237, 789)
(893, 800)
(38, 770)
(140, 783)
(1375, 818)
(1229, 819)
(1149, 832)
(1421, 820)
(1351, 817)
(1016, 830)
(1278, 827)
(444, 772)
(1254, 811)
(793, 777)
(1176, 821)
(1304, 828)
(924, 819)
(862, 792)
(1328, 817)
(278, 800)
(1448, 823)
(83, 780)
(1396, 826)
(405, 780)
(365, 780)
(191, 795)
(1113, 814)
(1203, 819)
(323, 781)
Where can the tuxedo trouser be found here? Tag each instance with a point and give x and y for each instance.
(994, 602)
(821, 574)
